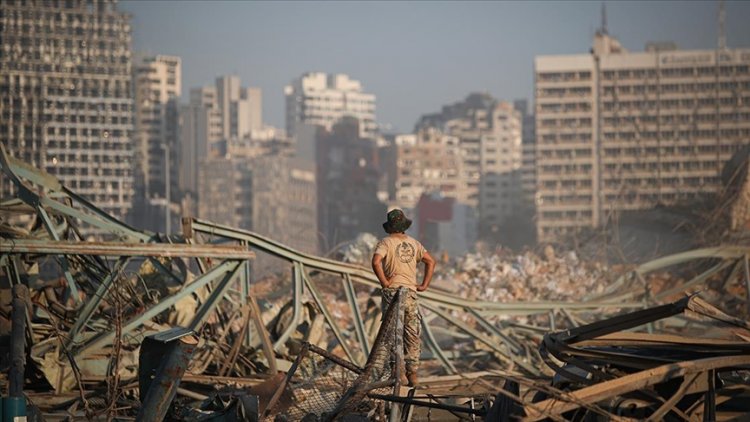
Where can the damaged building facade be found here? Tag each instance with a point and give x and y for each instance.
(622, 131)
(65, 95)
(157, 83)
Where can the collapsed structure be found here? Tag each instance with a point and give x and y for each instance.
(149, 325)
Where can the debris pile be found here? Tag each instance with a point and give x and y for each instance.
(148, 324)
(605, 370)
(359, 251)
(503, 277)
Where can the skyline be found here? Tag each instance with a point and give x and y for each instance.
(414, 56)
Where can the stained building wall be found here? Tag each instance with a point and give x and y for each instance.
(66, 101)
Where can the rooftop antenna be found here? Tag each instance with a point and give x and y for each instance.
(603, 29)
(722, 27)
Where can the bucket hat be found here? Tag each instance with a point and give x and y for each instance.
(397, 222)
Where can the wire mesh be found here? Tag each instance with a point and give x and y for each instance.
(317, 387)
(322, 386)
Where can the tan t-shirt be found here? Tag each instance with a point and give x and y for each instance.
(401, 254)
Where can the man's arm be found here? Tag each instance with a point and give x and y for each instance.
(377, 268)
(429, 268)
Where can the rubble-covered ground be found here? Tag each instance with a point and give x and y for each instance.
(90, 317)
(507, 277)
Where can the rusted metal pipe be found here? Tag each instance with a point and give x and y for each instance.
(14, 406)
(165, 355)
(17, 342)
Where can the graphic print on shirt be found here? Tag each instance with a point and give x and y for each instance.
(405, 252)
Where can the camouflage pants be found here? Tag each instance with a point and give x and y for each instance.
(412, 326)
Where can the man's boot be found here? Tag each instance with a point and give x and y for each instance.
(412, 378)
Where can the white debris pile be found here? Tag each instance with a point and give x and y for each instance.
(360, 250)
(504, 277)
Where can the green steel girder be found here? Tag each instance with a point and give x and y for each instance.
(61, 258)
(329, 318)
(16, 169)
(434, 347)
(297, 306)
(720, 252)
(480, 337)
(102, 339)
(366, 277)
(214, 298)
(92, 304)
(116, 249)
(359, 325)
(56, 200)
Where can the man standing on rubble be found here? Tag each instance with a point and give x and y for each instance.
(395, 264)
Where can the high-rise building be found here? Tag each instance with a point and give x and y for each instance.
(240, 108)
(285, 204)
(200, 129)
(66, 102)
(267, 142)
(321, 99)
(500, 170)
(623, 131)
(158, 82)
(226, 111)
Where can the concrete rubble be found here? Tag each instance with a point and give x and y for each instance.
(149, 327)
(506, 277)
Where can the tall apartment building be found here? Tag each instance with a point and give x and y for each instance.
(66, 102)
(620, 131)
(240, 107)
(269, 142)
(158, 82)
(500, 165)
(200, 128)
(489, 133)
(224, 111)
(321, 99)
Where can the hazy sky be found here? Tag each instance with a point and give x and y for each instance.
(414, 56)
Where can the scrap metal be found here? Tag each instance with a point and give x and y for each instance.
(105, 297)
(651, 376)
(163, 360)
